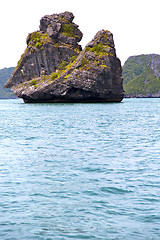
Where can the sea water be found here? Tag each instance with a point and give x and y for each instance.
(80, 171)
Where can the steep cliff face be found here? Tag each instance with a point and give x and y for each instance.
(55, 69)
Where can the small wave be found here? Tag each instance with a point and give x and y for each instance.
(150, 218)
(78, 236)
(30, 138)
(114, 190)
(151, 199)
(89, 169)
(91, 193)
(40, 195)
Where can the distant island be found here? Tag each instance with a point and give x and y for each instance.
(141, 76)
(54, 68)
(5, 74)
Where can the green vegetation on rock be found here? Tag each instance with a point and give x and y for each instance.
(141, 75)
(33, 82)
(38, 40)
(98, 49)
(84, 62)
(63, 69)
(5, 74)
(73, 58)
(54, 75)
(68, 30)
(62, 65)
(145, 83)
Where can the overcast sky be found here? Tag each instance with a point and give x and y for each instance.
(135, 24)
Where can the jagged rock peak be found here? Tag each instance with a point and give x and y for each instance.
(103, 37)
(55, 43)
(60, 27)
(56, 24)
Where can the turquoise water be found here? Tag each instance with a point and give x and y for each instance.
(80, 171)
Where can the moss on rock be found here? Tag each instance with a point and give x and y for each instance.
(38, 40)
(68, 30)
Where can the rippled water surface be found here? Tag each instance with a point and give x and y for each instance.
(80, 171)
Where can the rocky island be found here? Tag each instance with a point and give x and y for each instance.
(54, 68)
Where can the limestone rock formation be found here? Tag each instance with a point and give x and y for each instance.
(54, 68)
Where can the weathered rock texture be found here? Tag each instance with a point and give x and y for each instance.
(55, 69)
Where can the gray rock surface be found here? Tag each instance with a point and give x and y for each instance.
(55, 69)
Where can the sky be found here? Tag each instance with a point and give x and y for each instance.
(135, 24)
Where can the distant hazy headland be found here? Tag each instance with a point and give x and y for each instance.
(5, 74)
(141, 76)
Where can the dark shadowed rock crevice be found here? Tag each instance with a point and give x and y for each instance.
(54, 68)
